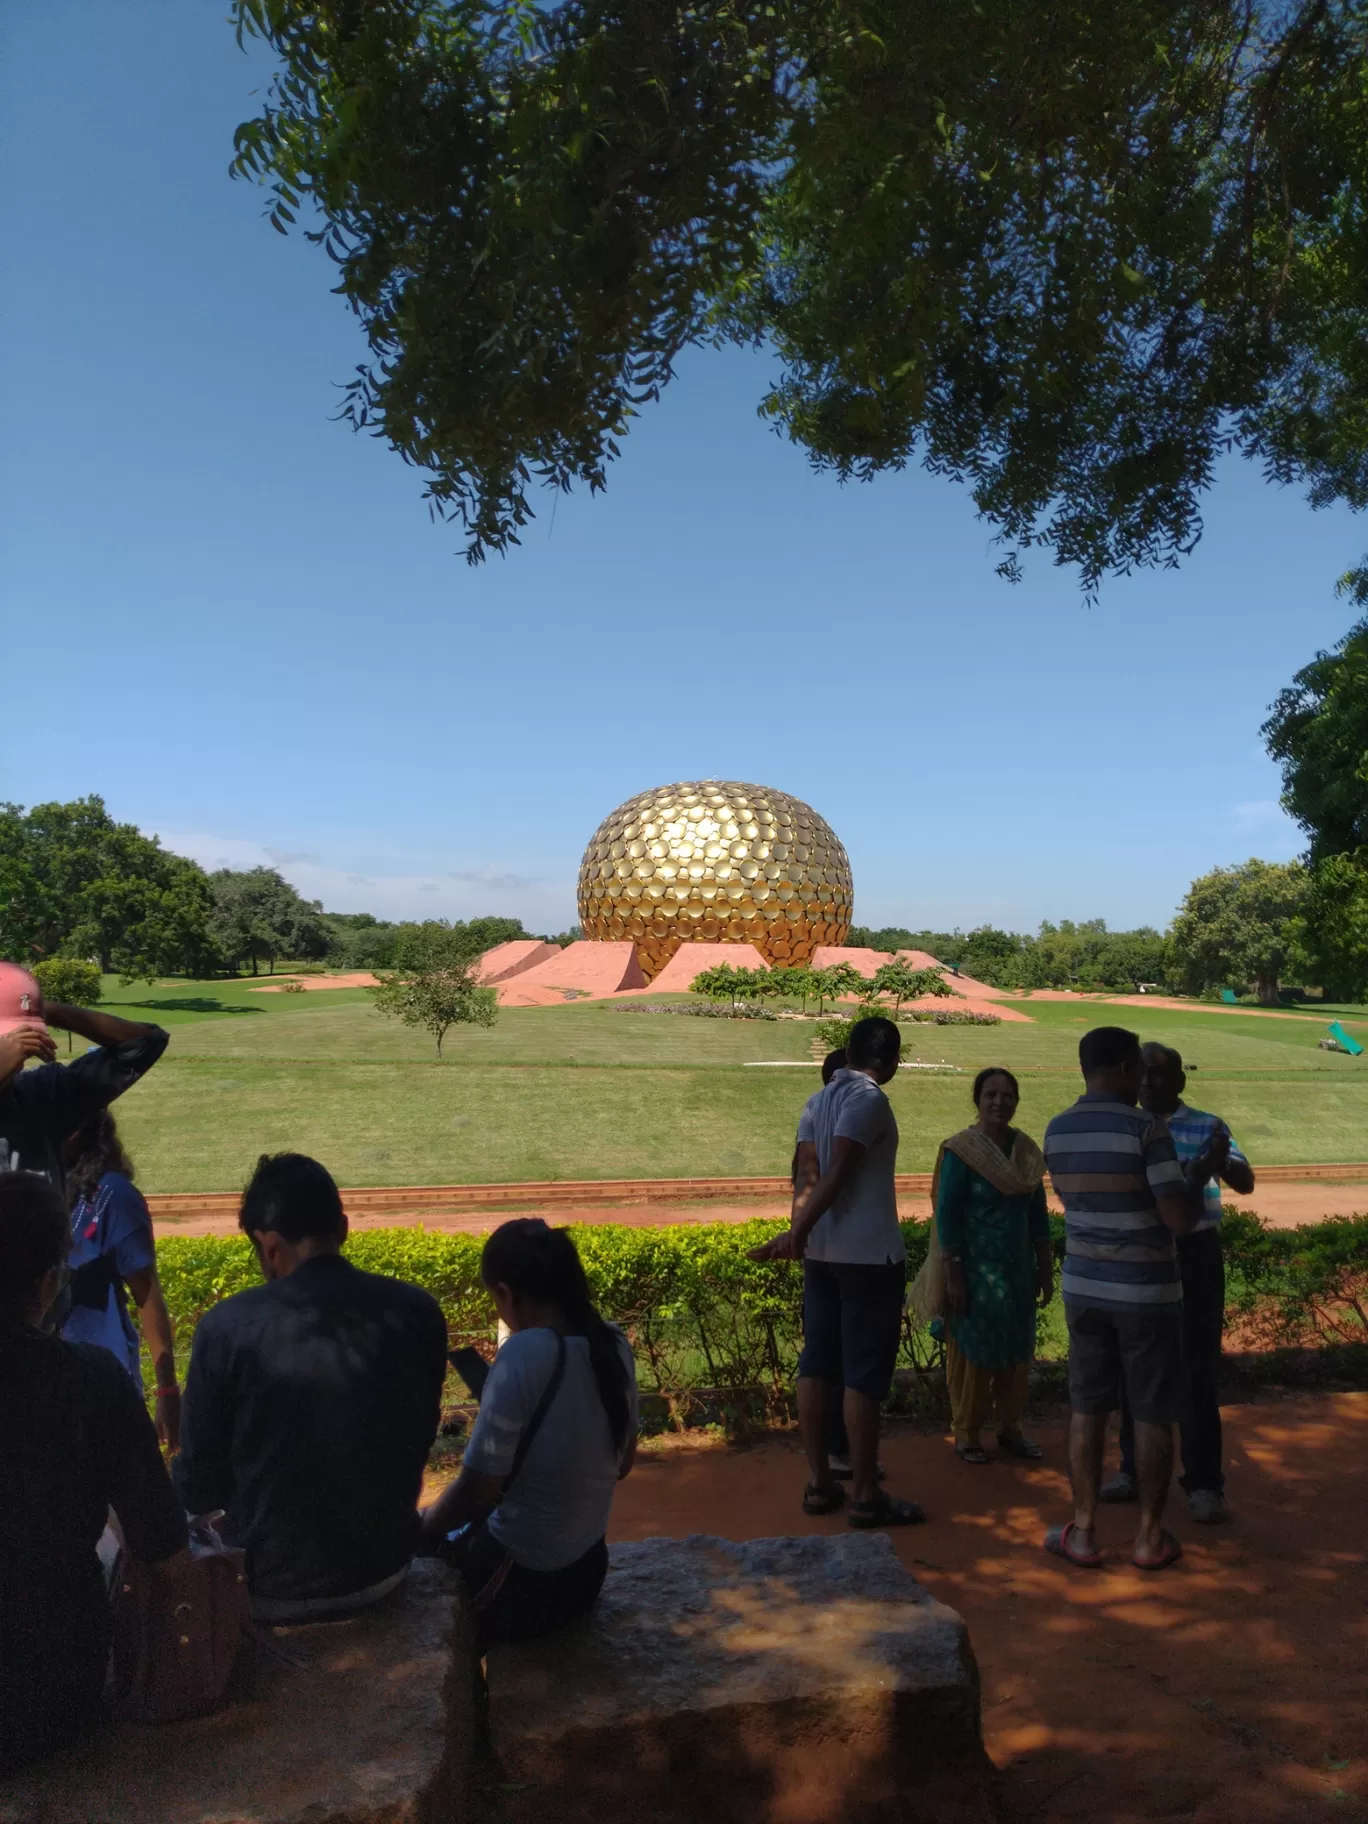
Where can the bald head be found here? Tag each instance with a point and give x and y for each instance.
(1162, 1079)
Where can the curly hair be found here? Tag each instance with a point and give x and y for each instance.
(92, 1151)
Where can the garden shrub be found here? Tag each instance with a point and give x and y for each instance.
(744, 1010)
(712, 1328)
(952, 1016)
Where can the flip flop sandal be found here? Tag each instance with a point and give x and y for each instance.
(1056, 1543)
(886, 1511)
(1025, 1448)
(1171, 1553)
(972, 1453)
(817, 1501)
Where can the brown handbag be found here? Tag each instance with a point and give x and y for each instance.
(177, 1630)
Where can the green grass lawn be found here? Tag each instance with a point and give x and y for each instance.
(587, 1091)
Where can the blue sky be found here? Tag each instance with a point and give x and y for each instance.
(239, 625)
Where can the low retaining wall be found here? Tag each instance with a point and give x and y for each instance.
(783, 1681)
(365, 1721)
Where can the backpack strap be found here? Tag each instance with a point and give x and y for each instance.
(543, 1406)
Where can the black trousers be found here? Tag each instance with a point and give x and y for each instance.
(511, 1602)
(1202, 1263)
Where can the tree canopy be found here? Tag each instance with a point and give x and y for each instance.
(1067, 253)
(1240, 925)
(74, 883)
(1318, 732)
(258, 916)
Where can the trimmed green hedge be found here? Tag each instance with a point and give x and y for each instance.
(707, 1322)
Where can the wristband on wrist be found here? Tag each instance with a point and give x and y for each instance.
(164, 1393)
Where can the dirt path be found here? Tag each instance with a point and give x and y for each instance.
(1232, 1689)
(1282, 1205)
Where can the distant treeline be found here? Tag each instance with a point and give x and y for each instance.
(359, 941)
(1066, 955)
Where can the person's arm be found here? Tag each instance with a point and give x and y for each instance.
(510, 1397)
(128, 1239)
(203, 1468)
(126, 1050)
(160, 1337)
(106, 1029)
(1177, 1191)
(469, 1499)
(150, 1517)
(951, 1194)
(1237, 1171)
(806, 1172)
(629, 1449)
(1038, 1227)
(809, 1206)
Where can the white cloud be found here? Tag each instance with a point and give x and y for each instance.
(463, 893)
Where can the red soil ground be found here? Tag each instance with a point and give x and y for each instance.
(1231, 1689)
(1282, 1205)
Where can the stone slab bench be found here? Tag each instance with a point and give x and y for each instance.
(783, 1681)
(367, 1721)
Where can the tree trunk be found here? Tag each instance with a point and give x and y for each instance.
(106, 963)
(1266, 987)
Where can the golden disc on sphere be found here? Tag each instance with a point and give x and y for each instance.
(716, 861)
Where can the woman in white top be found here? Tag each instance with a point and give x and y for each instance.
(525, 1520)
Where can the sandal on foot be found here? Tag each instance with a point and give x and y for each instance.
(1017, 1445)
(886, 1511)
(1056, 1542)
(818, 1501)
(1171, 1553)
(972, 1453)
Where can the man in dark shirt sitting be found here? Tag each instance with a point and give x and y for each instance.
(75, 1440)
(311, 1405)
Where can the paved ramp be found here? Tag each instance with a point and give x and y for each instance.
(586, 969)
(692, 959)
(514, 958)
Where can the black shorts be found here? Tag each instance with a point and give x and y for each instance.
(1143, 1349)
(852, 1323)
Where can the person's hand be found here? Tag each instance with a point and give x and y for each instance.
(1214, 1156)
(956, 1289)
(169, 1417)
(25, 1042)
(1044, 1281)
(784, 1246)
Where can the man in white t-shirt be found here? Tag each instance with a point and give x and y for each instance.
(844, 1228)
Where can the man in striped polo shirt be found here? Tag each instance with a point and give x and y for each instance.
(1201, 1262)
(1125, 1197)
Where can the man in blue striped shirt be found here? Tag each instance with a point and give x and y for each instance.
(1201, 1264)
(1125, 1197)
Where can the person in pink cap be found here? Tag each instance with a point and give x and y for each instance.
(42, 1106)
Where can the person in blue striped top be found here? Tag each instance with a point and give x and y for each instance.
(1125, 1196)
(1201, 1262)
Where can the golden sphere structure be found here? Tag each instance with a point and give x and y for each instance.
(714, 861)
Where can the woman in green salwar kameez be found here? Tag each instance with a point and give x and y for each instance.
(994, 1235)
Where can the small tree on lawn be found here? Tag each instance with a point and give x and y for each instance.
(68, 979)
(905, 983)
(437, 999)
(727, 984)
(840, 979)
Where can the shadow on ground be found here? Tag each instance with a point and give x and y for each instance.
(1232, 1689)
(193, 1004)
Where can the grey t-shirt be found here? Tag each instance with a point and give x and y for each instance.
(861, 1227)
(559, 1504)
